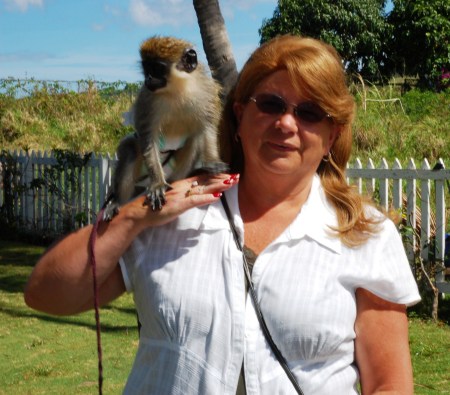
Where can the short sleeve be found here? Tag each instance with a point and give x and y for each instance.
(385, 268)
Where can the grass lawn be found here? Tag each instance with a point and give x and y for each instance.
(430, 351)
(42, 354)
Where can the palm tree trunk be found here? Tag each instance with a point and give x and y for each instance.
(216, 43)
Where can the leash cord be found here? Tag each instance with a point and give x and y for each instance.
(92, 239)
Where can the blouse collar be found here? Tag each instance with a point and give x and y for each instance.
(315, 220)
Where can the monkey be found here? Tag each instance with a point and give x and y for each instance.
(178, 104)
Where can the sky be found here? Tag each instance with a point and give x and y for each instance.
(70, 40)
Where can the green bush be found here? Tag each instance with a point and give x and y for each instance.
(46, 116)
(43, 118)
(392, 125)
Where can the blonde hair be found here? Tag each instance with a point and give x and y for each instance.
(316, 72)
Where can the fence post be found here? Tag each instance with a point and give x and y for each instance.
(18, 181)
(28, 212)
(37, 192)
(87, 189)
(440, 230)
(59, 199)
(370, 184)
(411, 220)
(94, 186)
(43, 193)
(51, 197)
(384, 186)
(358, 165)
(15, 181)
(103, 179)
(397, 187)
(425, 214)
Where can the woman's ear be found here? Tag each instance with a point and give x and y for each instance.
(335, 132)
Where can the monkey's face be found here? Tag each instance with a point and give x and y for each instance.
(155, 73)
(157, 69)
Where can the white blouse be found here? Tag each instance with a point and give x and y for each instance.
(198, 326)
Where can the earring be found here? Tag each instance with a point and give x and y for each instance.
(237, 138)
(327, 157)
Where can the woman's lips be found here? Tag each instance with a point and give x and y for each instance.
(282, 146)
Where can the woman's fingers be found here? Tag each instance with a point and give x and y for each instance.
(213, 185)
(185, 194)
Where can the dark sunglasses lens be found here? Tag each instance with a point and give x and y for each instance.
(310, 112)
(270, 104)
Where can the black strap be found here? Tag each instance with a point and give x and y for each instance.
(261, 320)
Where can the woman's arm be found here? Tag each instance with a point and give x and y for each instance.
(61, 282)
(382, 346)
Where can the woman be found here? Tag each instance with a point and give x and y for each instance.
(329, 270)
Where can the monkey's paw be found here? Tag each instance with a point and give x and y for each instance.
(156, 196)
(110, 210)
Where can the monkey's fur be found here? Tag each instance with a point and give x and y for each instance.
(178, 100)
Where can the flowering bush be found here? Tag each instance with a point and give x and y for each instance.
(444, 81)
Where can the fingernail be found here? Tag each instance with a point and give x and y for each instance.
(228, 181)
(234, 176)
(217, 194)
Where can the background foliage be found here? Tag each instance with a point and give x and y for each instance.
(51, 114)
(355, 28)
(420, 43)
(412, 40)
(413, 124)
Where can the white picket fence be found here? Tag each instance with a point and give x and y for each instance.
(68, 196)
(71, 197)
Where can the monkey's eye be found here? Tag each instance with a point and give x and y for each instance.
(191, 56)
(189, 60)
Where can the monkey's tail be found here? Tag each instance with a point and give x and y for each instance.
(92, 239)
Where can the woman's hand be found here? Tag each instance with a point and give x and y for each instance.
(184, 194)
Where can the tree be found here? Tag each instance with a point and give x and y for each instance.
(357, 29)
(421, 39)
(216, 43)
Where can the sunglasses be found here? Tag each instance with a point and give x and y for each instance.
(269, 103)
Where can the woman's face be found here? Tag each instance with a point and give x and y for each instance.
(283, 143)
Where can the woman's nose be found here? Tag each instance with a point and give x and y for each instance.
(287, 122)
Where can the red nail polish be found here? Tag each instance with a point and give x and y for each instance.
(227, 181)
(217, 194)
(234, 176)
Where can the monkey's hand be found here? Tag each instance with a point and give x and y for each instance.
(156, 196)
(110, 209)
